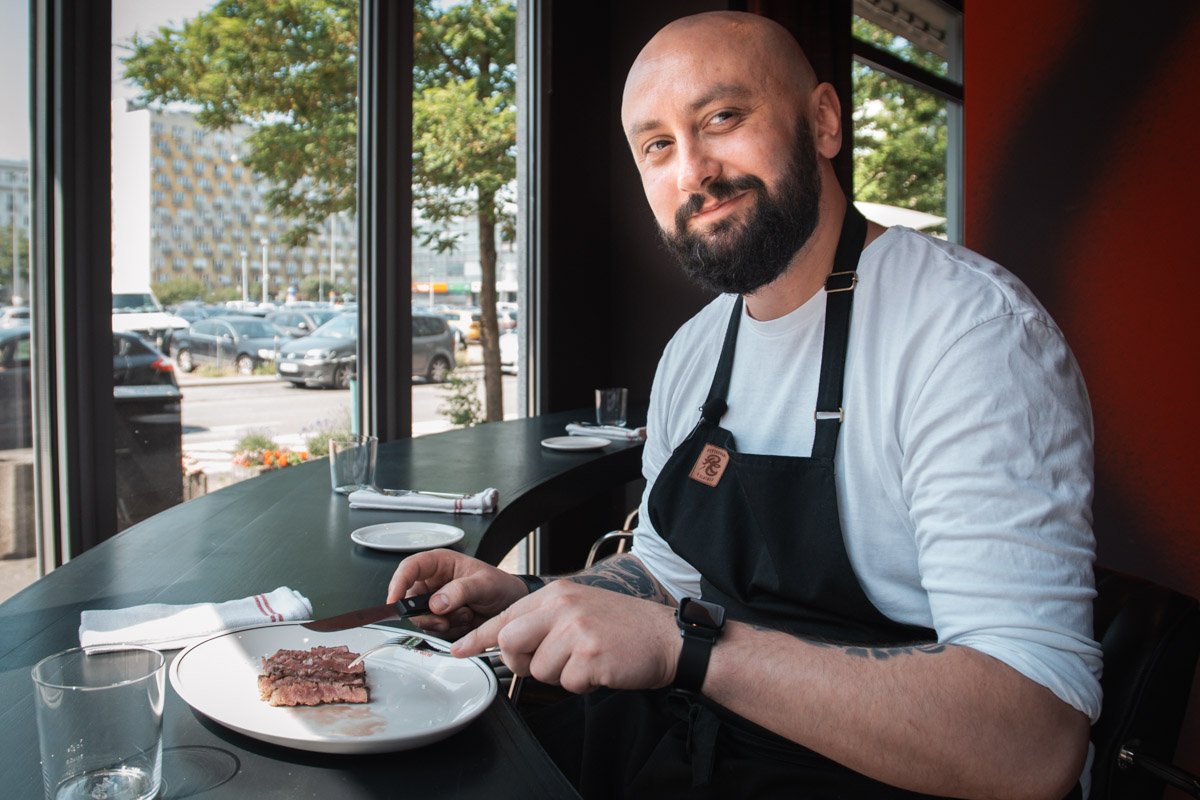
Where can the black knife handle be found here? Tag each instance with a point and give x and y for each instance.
(417, 604)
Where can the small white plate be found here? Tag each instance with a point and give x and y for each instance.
(416, 698)
(575, 442)
(407, 537)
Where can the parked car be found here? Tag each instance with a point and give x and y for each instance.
(138, 311)
(135, 363)
(432, 347)
(328, 356)
(243, 342)
(14, 316)
(193, 311)
(509, 346)
(462, 320)
(297, 322)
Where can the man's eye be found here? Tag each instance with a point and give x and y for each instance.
(656, 146)
(722, 116)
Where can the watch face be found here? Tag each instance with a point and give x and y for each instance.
(702, 614)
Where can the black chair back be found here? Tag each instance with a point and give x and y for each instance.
(1150, 636)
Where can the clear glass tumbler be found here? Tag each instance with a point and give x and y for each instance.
(352, 463)
(610, 406)
(99, 718)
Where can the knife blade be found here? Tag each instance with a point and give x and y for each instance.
(409, 606)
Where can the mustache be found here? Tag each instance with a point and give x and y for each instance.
(718, 190)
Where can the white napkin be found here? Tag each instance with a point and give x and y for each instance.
(614, 432)
(480, 503)
(169, 627)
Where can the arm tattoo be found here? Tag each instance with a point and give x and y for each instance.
(864, 651)
(626, 574)
(884, 653)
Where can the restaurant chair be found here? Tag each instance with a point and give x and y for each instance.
(1150, 636)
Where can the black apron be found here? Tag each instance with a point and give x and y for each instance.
(765, 534)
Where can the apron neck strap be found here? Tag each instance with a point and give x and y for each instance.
(715, 406)
(839, 296)
(839, 286)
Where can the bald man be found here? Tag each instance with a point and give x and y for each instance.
(863, 568)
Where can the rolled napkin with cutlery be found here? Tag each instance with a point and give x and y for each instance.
(412, 500)
(169, 627)
(613, 432)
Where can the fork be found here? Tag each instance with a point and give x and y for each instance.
(417, 644)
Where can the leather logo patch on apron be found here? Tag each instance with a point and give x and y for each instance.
(710, 466)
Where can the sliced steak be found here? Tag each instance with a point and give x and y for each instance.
(312, 677)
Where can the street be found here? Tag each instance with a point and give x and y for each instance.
(217, 412)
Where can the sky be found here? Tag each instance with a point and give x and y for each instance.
(129, 16)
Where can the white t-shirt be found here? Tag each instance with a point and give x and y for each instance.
(964, 464)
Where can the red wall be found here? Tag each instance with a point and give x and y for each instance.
(1082, 169)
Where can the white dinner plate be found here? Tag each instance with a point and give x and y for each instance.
(416, 698)
(407, 537)
(575, 442)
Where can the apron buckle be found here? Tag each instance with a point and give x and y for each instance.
(841, 281)
(838, 415)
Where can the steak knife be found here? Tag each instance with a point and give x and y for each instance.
(409, 606)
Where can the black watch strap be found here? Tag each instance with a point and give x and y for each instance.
(693, 663)
(532, 582)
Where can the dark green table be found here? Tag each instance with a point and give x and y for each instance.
(286, 528)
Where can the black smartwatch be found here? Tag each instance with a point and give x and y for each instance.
(700, 624)
(532, 582)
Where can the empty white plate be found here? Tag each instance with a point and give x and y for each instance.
(407, 537)
(575, 442)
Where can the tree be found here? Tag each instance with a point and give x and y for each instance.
(464, 141)
(899, 131)
(289, 70)
(7, 288)
(177, 290)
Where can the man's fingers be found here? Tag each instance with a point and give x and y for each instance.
(478, 640)
(416, 568)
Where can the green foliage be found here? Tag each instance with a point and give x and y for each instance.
(256, 440)
(311, 288)
(317, 436)
(899, 131)
(289, 69)
(178, 290)
(6, 264)
(462, 406)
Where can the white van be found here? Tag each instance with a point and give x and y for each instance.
(138, 311)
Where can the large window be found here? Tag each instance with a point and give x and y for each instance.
(18, 565)
(235, 248)
(908, 114)
(240, 218)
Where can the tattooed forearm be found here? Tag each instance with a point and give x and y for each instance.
(626, 574)
(884, 653)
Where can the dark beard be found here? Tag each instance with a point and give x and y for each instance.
(742, 258)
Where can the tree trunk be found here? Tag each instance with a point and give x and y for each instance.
(489, 328)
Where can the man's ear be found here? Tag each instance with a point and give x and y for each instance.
(825, 118)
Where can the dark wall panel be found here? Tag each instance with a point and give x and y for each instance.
(1081, 176)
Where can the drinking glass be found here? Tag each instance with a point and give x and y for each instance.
(610, 406)
(99, 719)
(352, 462)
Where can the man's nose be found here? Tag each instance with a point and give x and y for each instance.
(697, 168)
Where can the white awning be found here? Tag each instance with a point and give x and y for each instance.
(895, 215)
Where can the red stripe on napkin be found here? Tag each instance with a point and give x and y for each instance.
(259, 601)
(275, 617)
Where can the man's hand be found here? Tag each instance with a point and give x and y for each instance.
(583, 638)
(468, 591)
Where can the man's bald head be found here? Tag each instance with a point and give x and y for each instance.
(731, 44)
